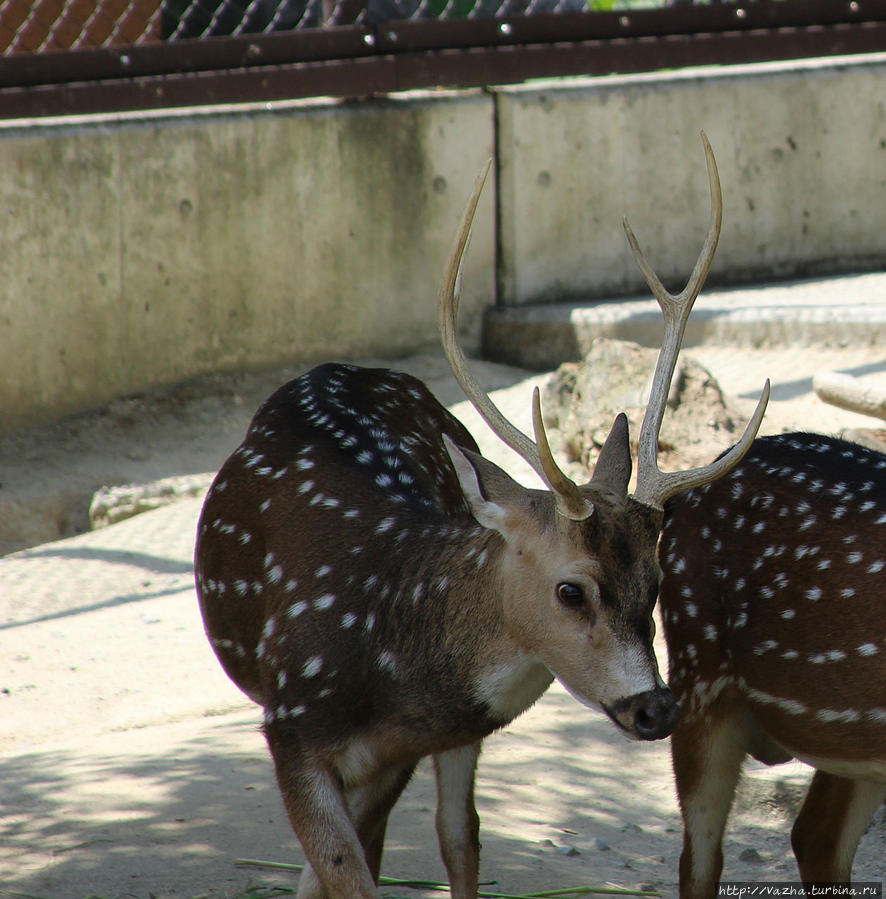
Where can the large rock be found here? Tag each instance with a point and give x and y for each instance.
(583, 398)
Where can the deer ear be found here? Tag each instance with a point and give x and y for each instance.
(491, 493)
(613, 469)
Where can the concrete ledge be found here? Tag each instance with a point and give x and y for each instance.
(848, 311)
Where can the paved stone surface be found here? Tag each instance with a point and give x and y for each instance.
(130, 766)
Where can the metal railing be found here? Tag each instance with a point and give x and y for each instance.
(37, 27)
(79, 56)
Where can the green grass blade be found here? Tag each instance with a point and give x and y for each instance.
(483, 894)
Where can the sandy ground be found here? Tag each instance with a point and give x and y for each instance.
(131, 767)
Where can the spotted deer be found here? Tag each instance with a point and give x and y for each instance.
(386, 593)
(777, 644)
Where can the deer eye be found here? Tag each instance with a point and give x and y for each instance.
(571, 595)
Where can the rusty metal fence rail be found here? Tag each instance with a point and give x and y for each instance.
(78, 56)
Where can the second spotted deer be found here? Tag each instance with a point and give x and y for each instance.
(385, 593)
(776, 631)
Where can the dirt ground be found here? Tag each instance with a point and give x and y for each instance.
(131, 767)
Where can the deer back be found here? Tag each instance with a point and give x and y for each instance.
(339, 473)
(773, 592)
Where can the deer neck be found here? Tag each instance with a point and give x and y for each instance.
(458, 577)
(506, 679)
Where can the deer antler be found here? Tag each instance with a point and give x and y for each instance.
(654, 487)
(570, 502)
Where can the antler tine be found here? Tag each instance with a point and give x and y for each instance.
(672, 483)
(539, 457)
(450, 294)
(570, 502)
(653, 486)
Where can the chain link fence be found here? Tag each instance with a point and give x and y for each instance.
(205, 18)
(62, 57)
(45, 25)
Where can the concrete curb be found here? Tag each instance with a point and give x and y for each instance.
(835, 312)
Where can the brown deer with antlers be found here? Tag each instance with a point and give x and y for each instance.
(777, 643)
(386, 593)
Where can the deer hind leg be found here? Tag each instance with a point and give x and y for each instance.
(707, 754)
(309, 886)
(458, 827)
(833, 819)
(319, 816)
(369, 806)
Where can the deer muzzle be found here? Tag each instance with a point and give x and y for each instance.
(646, 716)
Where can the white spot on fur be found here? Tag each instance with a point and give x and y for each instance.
(312, 666)
(791, 706)
(843, 716)
(387, 661)
(324, 601)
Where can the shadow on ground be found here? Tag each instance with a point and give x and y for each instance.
(564, 801)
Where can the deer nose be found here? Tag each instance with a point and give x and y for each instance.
(647, 716)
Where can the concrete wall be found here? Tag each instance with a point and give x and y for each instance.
(801, 150)
(139, 251)
(145, 250)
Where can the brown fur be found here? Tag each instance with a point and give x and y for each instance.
(385, 599)
(772, 608)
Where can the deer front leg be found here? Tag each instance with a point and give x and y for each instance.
(319, 816)
(458, 826)
(833, 819)
(707, 756)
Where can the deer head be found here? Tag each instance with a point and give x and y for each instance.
(580, 563)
